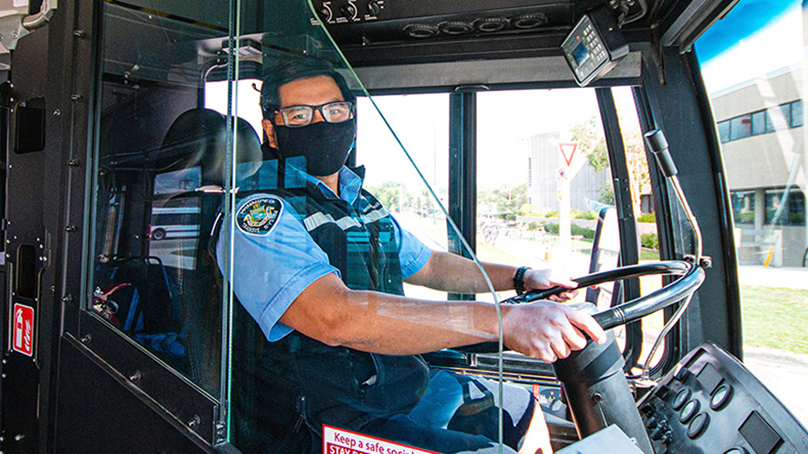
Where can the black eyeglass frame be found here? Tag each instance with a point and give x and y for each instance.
(352, 113)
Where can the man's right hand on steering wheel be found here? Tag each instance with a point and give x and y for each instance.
(548, 330)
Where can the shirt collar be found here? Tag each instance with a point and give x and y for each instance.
(350, 183)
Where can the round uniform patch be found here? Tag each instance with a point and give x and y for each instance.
(258, 216)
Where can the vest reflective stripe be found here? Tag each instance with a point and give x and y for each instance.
(318, 219)
(345, 223)
(374, 216)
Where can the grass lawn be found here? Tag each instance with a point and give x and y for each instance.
(775, 318)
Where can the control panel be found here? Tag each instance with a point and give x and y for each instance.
(711, 404)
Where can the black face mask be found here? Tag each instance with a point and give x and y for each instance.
(324, 145)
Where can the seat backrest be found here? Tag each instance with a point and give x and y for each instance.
(195, 151)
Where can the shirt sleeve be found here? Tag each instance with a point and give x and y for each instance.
(272, 264)
(412, 253)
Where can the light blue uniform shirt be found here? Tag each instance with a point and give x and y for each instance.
(272, 269)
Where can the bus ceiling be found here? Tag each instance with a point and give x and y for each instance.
(424, 44)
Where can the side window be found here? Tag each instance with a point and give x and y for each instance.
(766, 179)
(421, 123)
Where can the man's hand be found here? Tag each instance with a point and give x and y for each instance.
(541, 279)
(548, 330)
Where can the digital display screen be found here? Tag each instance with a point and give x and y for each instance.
(580, 54)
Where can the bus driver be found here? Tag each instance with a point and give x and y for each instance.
(320, 266)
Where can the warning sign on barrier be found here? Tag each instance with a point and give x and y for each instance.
(339, 441)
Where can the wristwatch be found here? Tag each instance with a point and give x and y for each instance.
(519, 279)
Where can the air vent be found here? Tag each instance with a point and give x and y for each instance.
(529, 21)
(456, 27)
(491, 24)
(421, 31)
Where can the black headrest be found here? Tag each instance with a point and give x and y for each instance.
(198, 138)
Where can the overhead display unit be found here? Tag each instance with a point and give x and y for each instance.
(594, 46)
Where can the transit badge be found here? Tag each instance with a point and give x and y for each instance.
(259, 216)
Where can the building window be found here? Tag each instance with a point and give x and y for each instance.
(796, 114)
(743, 206)
(759, 123)
(778, 118)
(785, 211)
(723, 131)
(740, 127)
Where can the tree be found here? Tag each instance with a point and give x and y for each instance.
(589, 136)
(506, 200)
(592, 143)
(393, 195)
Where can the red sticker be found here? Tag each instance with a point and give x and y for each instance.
(23, 332)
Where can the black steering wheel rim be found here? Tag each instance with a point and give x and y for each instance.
(691, 280)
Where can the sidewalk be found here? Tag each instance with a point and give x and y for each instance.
(773, 277)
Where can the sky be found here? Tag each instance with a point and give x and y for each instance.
(732, 54)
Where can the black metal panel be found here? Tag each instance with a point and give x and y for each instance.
(99, 411)
(462, 173)
(463, 168)
(175, 394)
(547, 44)
(687, 124)
(26, 379)
(627, 224)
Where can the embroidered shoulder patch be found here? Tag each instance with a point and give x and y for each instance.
(258, 216)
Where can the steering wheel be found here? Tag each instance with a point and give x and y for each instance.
(597, 391)
(691, 280)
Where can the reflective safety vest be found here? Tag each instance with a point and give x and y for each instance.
(338, 386)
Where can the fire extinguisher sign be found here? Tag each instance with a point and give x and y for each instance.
(23, 332)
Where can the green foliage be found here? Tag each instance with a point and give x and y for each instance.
(551, 214)
(606, 194)
(746, 218)
(587, 215)
(393, 195)
(553, 229)
(506, 200)
(529, 210)
(650, 241)
(647, 217)
(583, 231)
(592, 143)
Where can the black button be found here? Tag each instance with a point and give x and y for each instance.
(663, 392)
(681, 397)
(682, 374)
(698, 425)
(689, 411)
(721, 397)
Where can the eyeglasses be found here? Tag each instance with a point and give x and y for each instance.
(332, 112)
